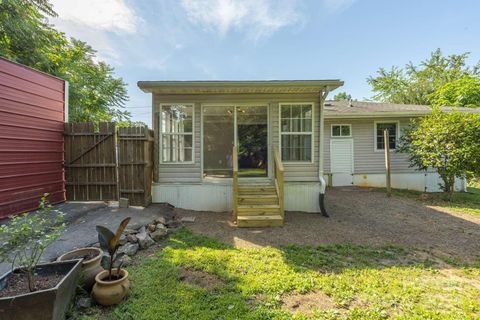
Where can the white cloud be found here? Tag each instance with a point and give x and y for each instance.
(337, 5)
(105, 15)
(259, 18)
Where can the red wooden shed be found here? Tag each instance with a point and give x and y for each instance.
(33, 108)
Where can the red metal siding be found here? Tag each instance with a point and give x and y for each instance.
(31, 138)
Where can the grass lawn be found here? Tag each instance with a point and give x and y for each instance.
(195, 277)
(463, 202)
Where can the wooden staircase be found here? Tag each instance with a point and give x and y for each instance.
(259, 205)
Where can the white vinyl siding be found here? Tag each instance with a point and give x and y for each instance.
(192, 173)
(366, 159)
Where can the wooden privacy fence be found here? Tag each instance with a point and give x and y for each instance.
(103, 162)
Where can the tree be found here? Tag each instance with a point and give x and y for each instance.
(463, 92)
(417, 84)
(446, 141)
(342, 96)
(95, 94)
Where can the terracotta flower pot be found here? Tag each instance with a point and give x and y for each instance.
(90, 268)
(112, 292)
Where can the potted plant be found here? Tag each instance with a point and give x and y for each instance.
(111, 285)
(91, 264)
(32, 290)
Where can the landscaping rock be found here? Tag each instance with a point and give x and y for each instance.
(161, 220)
(126, 261)
(190, 219)
(132, 238)
(174, 224)
(129, 231)
(122, 240)
(158, 234)
(144, 239)
(129, 249)
(83, 302)
(146, 243)
(151, 227)
(161, 226)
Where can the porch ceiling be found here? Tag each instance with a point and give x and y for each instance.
(235, 87)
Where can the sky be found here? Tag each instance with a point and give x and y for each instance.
(266, 39)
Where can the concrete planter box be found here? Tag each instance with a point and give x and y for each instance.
(43, 304)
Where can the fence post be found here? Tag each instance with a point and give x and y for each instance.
(386, 142)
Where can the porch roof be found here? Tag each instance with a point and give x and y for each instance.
(232, 87)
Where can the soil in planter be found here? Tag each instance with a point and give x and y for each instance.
(17, 283)
(113, 278)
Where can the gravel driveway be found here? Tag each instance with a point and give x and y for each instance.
(358, 216)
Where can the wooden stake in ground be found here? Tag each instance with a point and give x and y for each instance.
(386, 141)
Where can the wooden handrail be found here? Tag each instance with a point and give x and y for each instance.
(278, 172)
(235, 182)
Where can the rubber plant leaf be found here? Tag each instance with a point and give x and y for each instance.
(105, 237)
(118, 234)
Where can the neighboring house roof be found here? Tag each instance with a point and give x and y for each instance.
(230, 87)
(344, 109)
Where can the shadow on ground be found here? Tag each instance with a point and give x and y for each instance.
(358, 216)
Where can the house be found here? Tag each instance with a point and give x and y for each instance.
(259, 148)
(354, 147)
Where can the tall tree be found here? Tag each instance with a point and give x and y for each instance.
(417, 84)
(95, 94)
(342, 96)
(463, 92)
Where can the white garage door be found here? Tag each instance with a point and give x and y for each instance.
(341, 159)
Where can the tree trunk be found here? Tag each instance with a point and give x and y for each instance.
(448, 184)
(30, 280)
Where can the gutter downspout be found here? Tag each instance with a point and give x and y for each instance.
(323, 184)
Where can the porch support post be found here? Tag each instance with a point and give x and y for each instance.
(323, 184)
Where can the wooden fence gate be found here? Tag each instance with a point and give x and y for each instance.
(105, 163)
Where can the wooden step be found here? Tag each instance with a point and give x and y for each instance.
(258, 212)
(272, 208)
(252, 193)
(256, 188)
(258, 199)
(260, 221)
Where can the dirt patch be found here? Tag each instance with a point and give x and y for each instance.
(359, 216)
(199, 278)
(17, 283)
(308, 302)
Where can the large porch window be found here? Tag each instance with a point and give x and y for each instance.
(296, 132)
(176, 122)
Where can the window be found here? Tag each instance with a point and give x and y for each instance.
(392, 128)
(341, 130)
(176, 122)
(296, 128)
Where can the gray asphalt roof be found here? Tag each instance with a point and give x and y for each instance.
(341, 108)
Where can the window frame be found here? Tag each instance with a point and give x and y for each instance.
(311, 132)
(341, 125)
(161, 134)
(397, 122)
